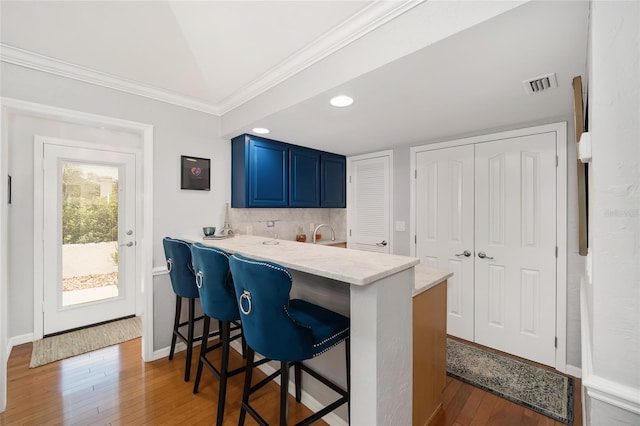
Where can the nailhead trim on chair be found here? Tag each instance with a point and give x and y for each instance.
(329, 338)
(294, 320)
(268, 265)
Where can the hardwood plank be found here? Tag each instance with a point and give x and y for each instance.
(126, 391)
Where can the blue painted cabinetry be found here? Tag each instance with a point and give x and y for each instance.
(304, 177)
(269, 173)
(334, 177)
(259, 172)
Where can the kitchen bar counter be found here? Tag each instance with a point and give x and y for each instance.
(376, 291)
(350, 266)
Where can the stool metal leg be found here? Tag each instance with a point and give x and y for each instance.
(297, 371)
(247, 386)
(225, 335)
(176, 324)
(192, 308)
(284, 392)
(347, 350)
(203, 352)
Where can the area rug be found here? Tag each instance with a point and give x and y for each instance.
(78, 342)
(541, 390)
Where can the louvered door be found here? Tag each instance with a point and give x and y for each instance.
(369, 204)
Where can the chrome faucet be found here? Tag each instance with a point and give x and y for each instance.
(333, 234)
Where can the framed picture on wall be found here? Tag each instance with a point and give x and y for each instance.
(195, 173)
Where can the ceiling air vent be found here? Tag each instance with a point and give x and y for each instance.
(540, 84)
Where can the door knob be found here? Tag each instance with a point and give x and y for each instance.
(465, 253)
(130, 231)
(129, 244)
(382, 244)
(483, 255)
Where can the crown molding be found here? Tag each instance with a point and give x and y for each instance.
(367, 20)
(36, 61)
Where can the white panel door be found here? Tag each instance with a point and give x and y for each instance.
(515, 236)
(444, 227)
(89, 236)
(370, 204)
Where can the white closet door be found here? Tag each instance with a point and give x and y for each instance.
(515, 232)
(444, 227)
(369, 204)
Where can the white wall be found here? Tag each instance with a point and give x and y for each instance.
(175, 212)
(612, 340)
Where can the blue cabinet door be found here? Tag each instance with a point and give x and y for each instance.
(333, 188)
(304, 177)
(267, 174)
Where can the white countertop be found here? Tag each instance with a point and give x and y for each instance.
(426, 278)
(352, 266)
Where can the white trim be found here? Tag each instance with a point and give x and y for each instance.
(573, 371)
(27, 59)
(560, 129)
(612, 393)
(360, 24)
(350, 160)
(159, 270)
(357, 26)
(18, 340)
(146, 216)
(4, 245)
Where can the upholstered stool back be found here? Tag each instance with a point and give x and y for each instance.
(214, 282)
(178, 255)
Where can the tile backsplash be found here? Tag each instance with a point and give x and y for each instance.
(287, 222)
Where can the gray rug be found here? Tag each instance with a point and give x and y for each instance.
(78, 342)
(541, 390)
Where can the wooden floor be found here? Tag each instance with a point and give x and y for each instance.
(114, 386)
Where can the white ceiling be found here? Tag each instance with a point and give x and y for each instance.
(217, 55)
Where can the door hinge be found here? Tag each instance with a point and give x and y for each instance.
(349, 179)
(415, 239)
(43, 307)
(556, 161)
(555, 343)
(556, 251)
(349, 232)
(415, 174)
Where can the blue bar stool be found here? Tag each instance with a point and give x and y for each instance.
(217, 297)
(178, 255)
(284, 330)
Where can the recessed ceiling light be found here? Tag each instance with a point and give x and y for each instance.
(341, 101)
(261, 130)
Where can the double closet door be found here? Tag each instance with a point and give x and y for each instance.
(487, 212)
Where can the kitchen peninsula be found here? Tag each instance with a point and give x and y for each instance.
(375, 290)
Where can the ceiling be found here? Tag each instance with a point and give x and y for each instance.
(220, 56)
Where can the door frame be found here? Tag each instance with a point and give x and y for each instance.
(38, 231)
(350, 219)
(145, 173)
(560, 129)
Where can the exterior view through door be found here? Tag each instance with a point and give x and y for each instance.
(88, 236)
(487, 212)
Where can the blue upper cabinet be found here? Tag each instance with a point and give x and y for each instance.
(259, 172)
(268, 173)
(333, 183)
(304, 177)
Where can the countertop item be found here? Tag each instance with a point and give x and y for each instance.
(426, 278)
(327, 242)
(352, 266)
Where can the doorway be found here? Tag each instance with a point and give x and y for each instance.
(492, 210)
(88, 234)
(370, 201)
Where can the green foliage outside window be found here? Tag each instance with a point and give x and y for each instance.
(86, 216)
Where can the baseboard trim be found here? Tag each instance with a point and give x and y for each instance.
(18, 340)
(574, 371)
(164, 352)
(613, 393)
(309, 401)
